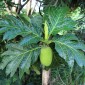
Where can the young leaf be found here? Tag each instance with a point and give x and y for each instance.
(46, 30)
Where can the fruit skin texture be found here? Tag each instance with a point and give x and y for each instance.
(46, 56)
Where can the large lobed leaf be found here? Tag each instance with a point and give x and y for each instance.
(18, 57)
(58, 20)
(70, 49)
(12, 27)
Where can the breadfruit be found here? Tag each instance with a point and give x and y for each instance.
(46, 56)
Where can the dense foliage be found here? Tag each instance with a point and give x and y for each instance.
(22, 37)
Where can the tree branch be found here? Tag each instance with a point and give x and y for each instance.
(40, 9)
(34, 7)
(18, 7)
(21, 6)
(7, 7)
(25, 3)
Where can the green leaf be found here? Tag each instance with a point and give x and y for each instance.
(25, 64)
(11, 22)
(25, 19)
(5, 61)
(11, 34)
(13, 65)
(35, 56)
(3, 29)
(36, 22)
(21, 73)
(67, 36)
(13, 47)
(30, 39)
(70, 50)
(18, 58)
(58, 20)
(12, 27)
(36, 69)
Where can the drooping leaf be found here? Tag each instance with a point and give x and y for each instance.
(13, 65)
(35, 55)
(69, 49)
(5, 61)
(11, 34)
(12, 27)
(18, 59)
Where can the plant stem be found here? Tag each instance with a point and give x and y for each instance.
(46, 76)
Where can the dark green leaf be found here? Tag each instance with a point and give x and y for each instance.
(69, 50)
(30, 40)
(12, 27)
(57, 19)
(18, 58)
(36, 22)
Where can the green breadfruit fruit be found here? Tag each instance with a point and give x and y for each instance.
(46, 56)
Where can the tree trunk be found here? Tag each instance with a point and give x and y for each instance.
(46, 76)
(7, 7)
(18, 7)
(28, 7)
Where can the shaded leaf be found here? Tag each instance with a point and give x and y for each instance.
(30, 40)
(69, 50)
(12, 27)
(18, 58)
(36, 22)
